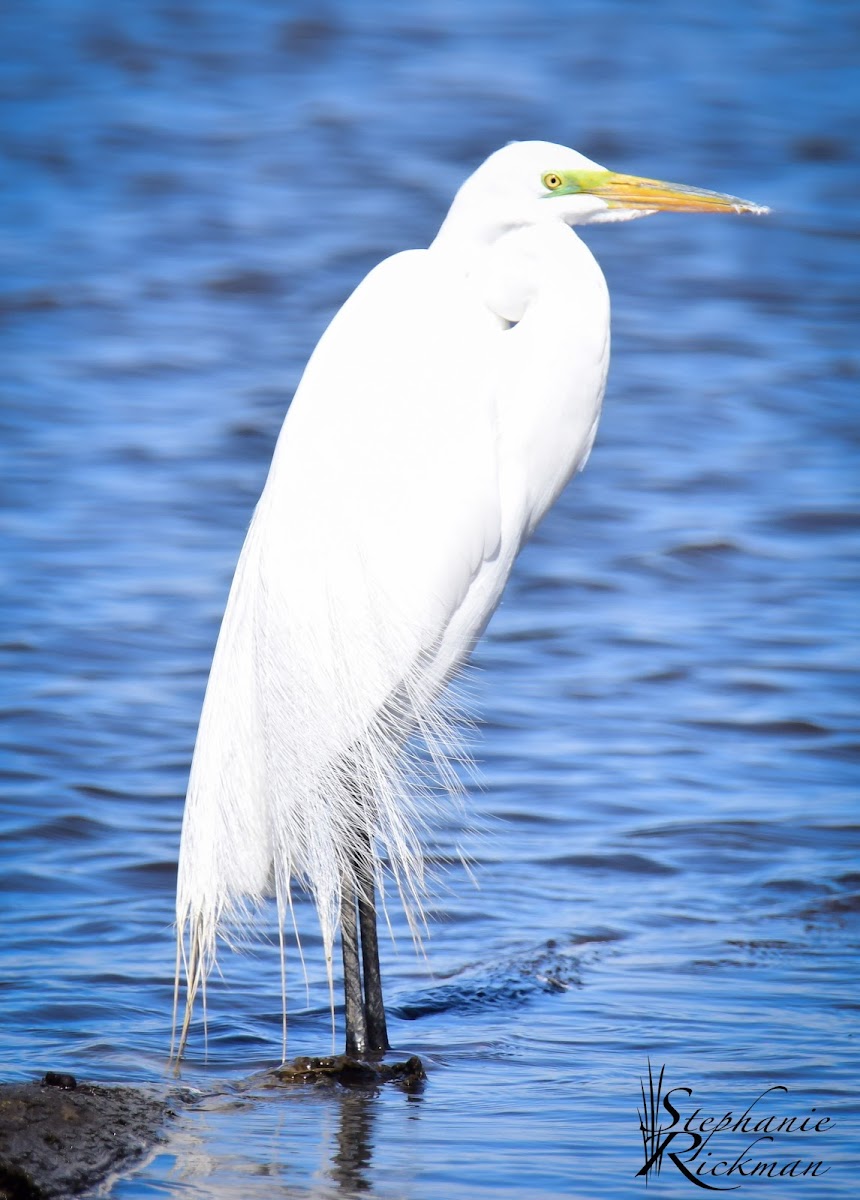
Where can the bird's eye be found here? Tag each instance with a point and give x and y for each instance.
(551, 180)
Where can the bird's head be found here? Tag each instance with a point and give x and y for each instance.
(530, 183)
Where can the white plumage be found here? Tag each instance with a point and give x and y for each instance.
(440, 415)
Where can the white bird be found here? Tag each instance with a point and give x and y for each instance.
(445, 407)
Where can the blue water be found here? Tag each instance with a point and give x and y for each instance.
(667, 858)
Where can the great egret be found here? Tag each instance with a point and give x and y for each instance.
(442, 412)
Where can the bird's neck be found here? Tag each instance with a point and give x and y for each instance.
(467, 233)
(509, 270)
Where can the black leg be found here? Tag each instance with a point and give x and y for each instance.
(356, 1026)
(374, 1009)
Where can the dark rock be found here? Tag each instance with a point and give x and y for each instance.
(58, 1079)
(349, 1072)
(58, 1137)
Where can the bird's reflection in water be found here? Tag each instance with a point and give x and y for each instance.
(352, 1153)
(277, 1121)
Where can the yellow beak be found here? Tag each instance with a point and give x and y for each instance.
(653, 195)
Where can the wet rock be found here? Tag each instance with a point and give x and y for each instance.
(349, 1072)
(60, 1137)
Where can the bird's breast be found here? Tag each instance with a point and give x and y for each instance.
(551, 367)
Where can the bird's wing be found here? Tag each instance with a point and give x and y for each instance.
(387, 463)
(379, 516)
